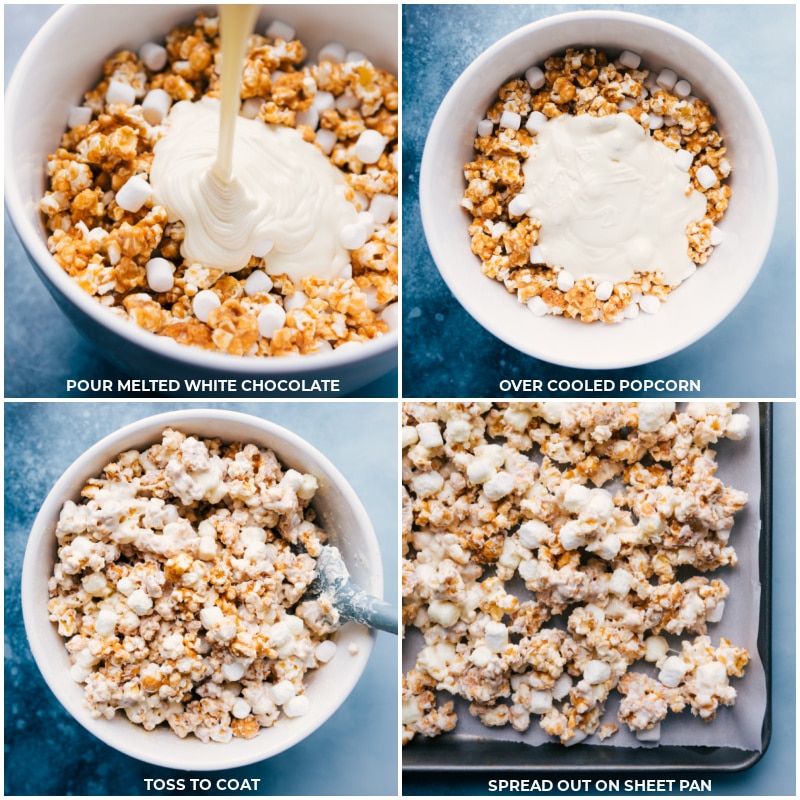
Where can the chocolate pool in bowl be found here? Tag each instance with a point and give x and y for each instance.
(96, 33)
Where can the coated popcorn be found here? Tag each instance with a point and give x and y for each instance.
(614, 529)
(179, 588)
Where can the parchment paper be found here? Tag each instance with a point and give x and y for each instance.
(738, 726)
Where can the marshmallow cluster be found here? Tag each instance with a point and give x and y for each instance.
(504, 234)
(179, 589)
(614, 528)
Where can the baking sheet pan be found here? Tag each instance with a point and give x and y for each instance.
(462, 752)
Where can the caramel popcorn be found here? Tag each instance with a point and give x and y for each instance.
(179, 588)
(584, 82)
(107, 249)
(613, 530)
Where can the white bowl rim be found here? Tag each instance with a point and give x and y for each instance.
(537, 346)
(159, 346)
(115, 732)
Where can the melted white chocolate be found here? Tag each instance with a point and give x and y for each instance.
(611, 200)
(239, 184)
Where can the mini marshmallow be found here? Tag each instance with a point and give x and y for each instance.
(233, 671)
(160, 274)
(604, 291)
(650, 734)
(355, 57)
(596, 672)
(480, 470)
(120, 92)
(519, 204)
(326, 140)
(383, 207)
(79, 115)
(155, 106)
(203, 303)
(626, 104)
(105, 622)
(655, 121)
(672, 672)
(153, 56)
(510, 119)
(430, 435)
(535, 77)
(241, 709)
(536, 121)
(630, 59)
(655, 648)
(706, 176)
(485, 127)
(498, 486)
(425, 484)
(295, 301)
(210, 616)
(537, 306)
(683, 159)
(277, 29)
(562, 686)
(134, 194)
(140, 602)
(682, 88)
(325, 651)
(666, 79)
(565, 281)
(540, 701)
(631, 311)
(444, 613)
(251, 107)
(282, 692)
(353, 235)
(323, 100)
(262, 247)
(650, 304)
(309, 118)
(369, 146)
(577, 497)
(717, 236)
(257, 282)
(333, 51)
(390, 316)
(271, 320)
(496, 636)
(535, 255)
(346, 101)
(297, 706)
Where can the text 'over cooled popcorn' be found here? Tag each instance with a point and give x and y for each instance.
(179, 588)
(542, 584)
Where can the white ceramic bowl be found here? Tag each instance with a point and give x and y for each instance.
(701, 302)
(61, 63)
(339, 512)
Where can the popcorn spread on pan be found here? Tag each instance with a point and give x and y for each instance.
(567, 193)
(179, 589)
(111, 235)
(542, 585)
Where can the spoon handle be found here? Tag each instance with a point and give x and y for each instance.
(371, 611)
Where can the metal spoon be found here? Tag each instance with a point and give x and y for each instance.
(350, 600)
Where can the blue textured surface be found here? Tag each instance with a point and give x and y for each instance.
(447, 354)
(48, 754)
